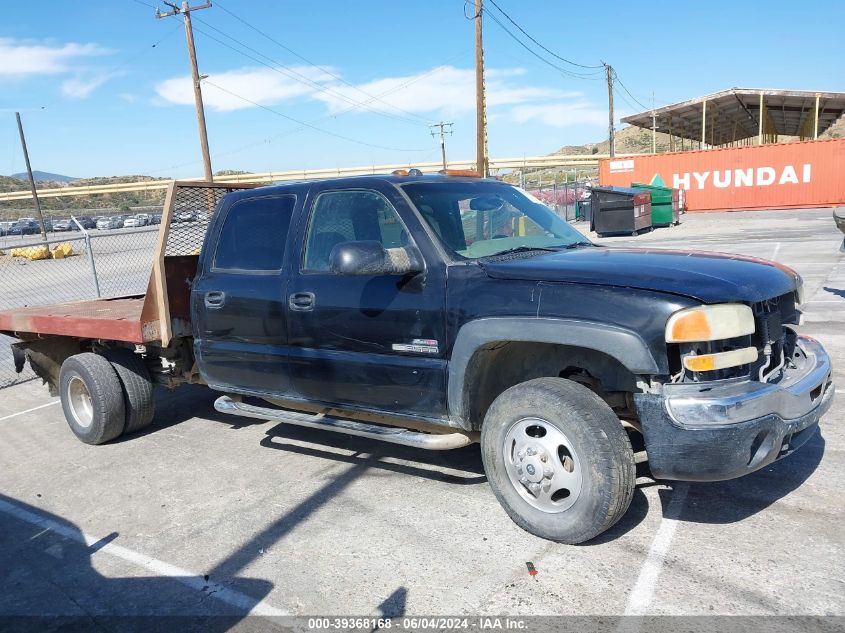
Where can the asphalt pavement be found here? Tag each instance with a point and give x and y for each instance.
(210, 515)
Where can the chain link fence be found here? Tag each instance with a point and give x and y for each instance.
(562, 197)
(109, 263)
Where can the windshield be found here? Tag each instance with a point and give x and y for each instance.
(479, 219)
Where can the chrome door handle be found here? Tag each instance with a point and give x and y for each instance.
(214, 299)
(301, 301)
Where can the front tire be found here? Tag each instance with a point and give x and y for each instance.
(92, 398)
(557, 459)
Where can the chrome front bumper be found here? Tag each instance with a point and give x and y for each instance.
(726, 429)
(705, 405)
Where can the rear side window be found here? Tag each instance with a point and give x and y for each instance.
(254, 234)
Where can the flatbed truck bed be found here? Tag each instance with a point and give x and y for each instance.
(116, 319)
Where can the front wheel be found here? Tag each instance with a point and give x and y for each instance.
(557, 459)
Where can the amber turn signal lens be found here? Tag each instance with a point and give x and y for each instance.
(721, 360)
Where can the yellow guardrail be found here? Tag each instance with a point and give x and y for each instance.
(533, 162)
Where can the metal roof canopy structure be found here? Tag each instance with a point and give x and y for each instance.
(733, 117)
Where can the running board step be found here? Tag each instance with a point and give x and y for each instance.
(405, 437)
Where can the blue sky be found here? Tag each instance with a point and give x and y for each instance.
(99, 99)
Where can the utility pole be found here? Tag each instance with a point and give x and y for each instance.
(195, 76)
(31, 179)
(653, 126)
(443, 131)
(610, 131)
(480, 108)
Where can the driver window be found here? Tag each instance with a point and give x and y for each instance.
(348, 216)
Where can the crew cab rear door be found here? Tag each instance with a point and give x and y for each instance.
(238, 301)
(370, 341)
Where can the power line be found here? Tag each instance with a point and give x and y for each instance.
(622, 96)
(619, 81)
(313, 127)
(550, 52)
(560, 69)
(315, 65)
(285, 133)
(296, 75)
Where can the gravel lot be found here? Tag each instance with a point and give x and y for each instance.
(211, 515)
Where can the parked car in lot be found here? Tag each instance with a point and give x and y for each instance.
(4, 228)
(366, 306)
(86, 222)
(64, 225)
(113, 222)
(24, 227)
(141, 219)
(185, 216)
(155, 218)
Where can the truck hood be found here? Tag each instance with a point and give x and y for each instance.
(707, 277)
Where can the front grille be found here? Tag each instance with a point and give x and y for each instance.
(775, 343)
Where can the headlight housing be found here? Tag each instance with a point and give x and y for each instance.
(712, 338)
(710, 323)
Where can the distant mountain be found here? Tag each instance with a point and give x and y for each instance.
(41, 176)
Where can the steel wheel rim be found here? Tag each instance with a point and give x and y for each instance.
(79, 400)
(542, 465)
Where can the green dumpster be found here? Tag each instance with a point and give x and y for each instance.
(665, 206)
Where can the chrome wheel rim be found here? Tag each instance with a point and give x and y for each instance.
(80, 403)
(542, 465)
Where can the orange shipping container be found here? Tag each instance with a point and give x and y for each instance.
(782, 175)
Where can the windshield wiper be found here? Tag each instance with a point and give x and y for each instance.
(521, 249)
(549, 249)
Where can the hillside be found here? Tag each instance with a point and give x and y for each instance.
(44, 176)
(638, 140)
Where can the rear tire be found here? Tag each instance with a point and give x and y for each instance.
(92, 398)
(137, 388)
(558, 459)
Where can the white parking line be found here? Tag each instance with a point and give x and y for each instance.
(187, 578)
(643, 591)
(777, 250)
(40, 406)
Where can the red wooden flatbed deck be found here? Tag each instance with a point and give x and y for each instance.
(109, 319)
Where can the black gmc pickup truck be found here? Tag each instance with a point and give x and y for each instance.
(436, 311)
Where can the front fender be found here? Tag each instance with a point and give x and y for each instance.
(626, 346)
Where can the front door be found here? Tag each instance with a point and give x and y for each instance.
(239, 299)
(365, 341)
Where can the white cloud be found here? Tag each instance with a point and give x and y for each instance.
(561, 114)
(261, 86)
(26, 58)
(443, 89)
(80, 88)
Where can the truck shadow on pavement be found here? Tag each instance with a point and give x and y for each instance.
(714, 503)
(426, 464)
(50, 584)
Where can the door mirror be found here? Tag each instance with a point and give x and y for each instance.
(370, 258)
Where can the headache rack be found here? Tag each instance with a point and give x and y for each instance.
(163, 311)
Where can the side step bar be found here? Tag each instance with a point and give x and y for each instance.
(406, 437)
